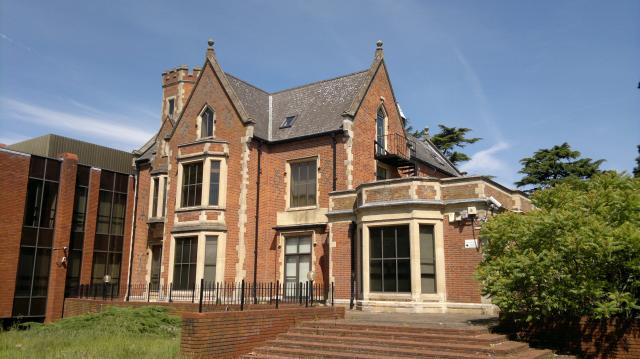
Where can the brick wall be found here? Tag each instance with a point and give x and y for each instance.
(62, 236)
(341, 253)
(460, 263)
(232, 334)
(78, 306)
(14, 173)
(140, 246)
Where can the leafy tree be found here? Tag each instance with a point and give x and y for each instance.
(636, 170)
(549, 166)
(447, 140)
(577, 254)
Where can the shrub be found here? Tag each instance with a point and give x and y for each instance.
(577, 254)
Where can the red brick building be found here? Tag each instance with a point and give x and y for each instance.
(66, 221)
(241, 183)
(318, 181)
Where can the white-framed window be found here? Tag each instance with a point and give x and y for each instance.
(303, 183)
(158, 198)
(195, 256)
(206, 123)
(202, 183)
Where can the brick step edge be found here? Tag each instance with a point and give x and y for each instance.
(485, 338)
(271, 351)
(386, 350)
(506, 347)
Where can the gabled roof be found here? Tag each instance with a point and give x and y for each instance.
(428, 153)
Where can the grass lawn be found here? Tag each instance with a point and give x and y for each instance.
(146, 332)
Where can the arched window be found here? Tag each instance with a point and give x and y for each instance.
(381, 130)
(206, 123)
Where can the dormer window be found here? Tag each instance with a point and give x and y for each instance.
(206, 123)
(288, 121)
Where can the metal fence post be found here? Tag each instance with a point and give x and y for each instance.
(306, 294)
(170, 292)
(270, 293)
(201, 293)
(242, 295)
(311, 292)
(333, 289)
(353, 292)
(148, 292)
(128, 291)
(277, 290)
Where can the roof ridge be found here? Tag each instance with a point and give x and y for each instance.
(246, 83)
(318, 82)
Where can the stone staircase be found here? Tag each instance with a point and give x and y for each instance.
(344, 339)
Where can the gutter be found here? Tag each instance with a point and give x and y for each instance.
(257, 220)
(133, 229)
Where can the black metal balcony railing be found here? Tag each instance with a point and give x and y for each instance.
(394, 146)
(209, 295)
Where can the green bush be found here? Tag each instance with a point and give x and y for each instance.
(577, 255)
(147, 332)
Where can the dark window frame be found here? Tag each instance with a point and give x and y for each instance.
(190, 263)
(191, 187)
(41, 245)
(214, 185)
(210, 245)
(171, 106)
(394, 259)
(76, 243)
(156, 193)
(207, 122)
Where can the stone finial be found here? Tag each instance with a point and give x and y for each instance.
(210, 42)
(379, 51)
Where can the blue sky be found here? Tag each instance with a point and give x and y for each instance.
(522, 75)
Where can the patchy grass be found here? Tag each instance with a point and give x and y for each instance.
(147, 332)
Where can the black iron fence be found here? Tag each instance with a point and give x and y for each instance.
(209, 295)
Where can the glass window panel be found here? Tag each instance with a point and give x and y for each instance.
(304, 245)
(291, 245)
(404, 275)
(156, 190)
(36, 167)
(291, 267)
(375, 271)
(122, 183)
(104, 212)
(99, 266)
(115, 244)
(303, 184)
(38, 307)
(209, 273)
(115, 262)
(106, 180)
(25, 271)
(214, 183)
(41, 272)
(164, 190)
(375, 242)
(52, 170)
(304, 267)
(211, 250)
(389, 275)
(389, 242)
(29, 236)
(402, 241)
(21, 307)
(118, 213)
(34, 197)
(427, 259)
(101, 242)
(79, 209)
(82, 176)
(49, 202)
(45, 237)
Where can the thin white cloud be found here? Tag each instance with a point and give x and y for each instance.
(486, 162)
(484, 108)
(100, 126)
(15, 43)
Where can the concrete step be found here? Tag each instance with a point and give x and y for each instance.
(397, 348)
(269, 351)
(463, 345)
(483, 338)
(531, 353)
(355, 326)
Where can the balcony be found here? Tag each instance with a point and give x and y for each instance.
(394, 149)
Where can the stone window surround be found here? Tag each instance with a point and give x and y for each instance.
(220, 257)
(206, 170)
(166, 106)
(288, 184)
(282, 235)
(162, 179)
(199, 123)
(416, 294)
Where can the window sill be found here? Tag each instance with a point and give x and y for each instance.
(199, 208)
(156, 220)
(306, 208)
